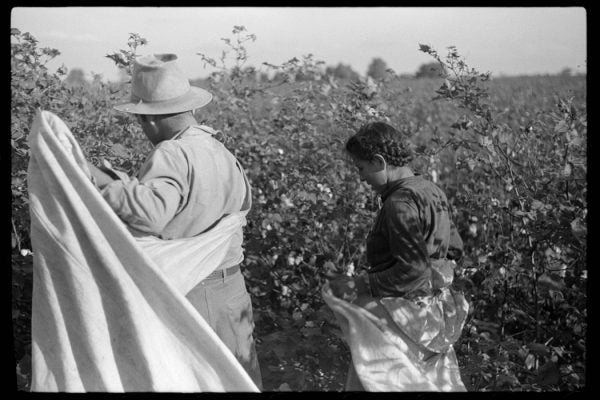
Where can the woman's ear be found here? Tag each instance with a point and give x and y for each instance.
(379, 161)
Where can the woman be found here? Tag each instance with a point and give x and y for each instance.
(414, 316)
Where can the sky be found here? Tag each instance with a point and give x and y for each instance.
(500, 40)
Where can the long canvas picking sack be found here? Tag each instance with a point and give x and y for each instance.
(105, 316)
(187, 261)
(400, 345)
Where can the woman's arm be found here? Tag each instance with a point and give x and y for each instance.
(411, 263)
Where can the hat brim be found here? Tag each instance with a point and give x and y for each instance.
(195, 98)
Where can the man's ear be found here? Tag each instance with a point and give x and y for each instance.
(379, 161)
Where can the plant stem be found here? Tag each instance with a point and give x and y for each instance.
(16, 234)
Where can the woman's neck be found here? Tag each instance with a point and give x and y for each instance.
(399, 173)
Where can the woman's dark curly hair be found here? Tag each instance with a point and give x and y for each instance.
(383, 139)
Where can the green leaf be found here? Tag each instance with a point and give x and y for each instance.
(530, 361)
(119, 150)
(503, 137)
(550, 282)
(536, 204)
(538, 349)
(561, 126)
(567, 170)
(548, 374)
(424, 48)
(509, 380)
(471, 163)
(576, 141)
(578, 229)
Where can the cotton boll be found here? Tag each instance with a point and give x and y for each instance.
(473, 230)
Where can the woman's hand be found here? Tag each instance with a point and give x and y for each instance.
(349, 288)
(344, 287)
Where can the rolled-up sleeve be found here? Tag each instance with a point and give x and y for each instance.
(408, 249)
(147, 203)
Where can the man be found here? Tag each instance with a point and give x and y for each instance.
(188, 182)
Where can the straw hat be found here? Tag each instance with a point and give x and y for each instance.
(159, 87)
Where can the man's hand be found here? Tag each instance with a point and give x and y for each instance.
(101, 178)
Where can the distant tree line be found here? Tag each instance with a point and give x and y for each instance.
(377, 70)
